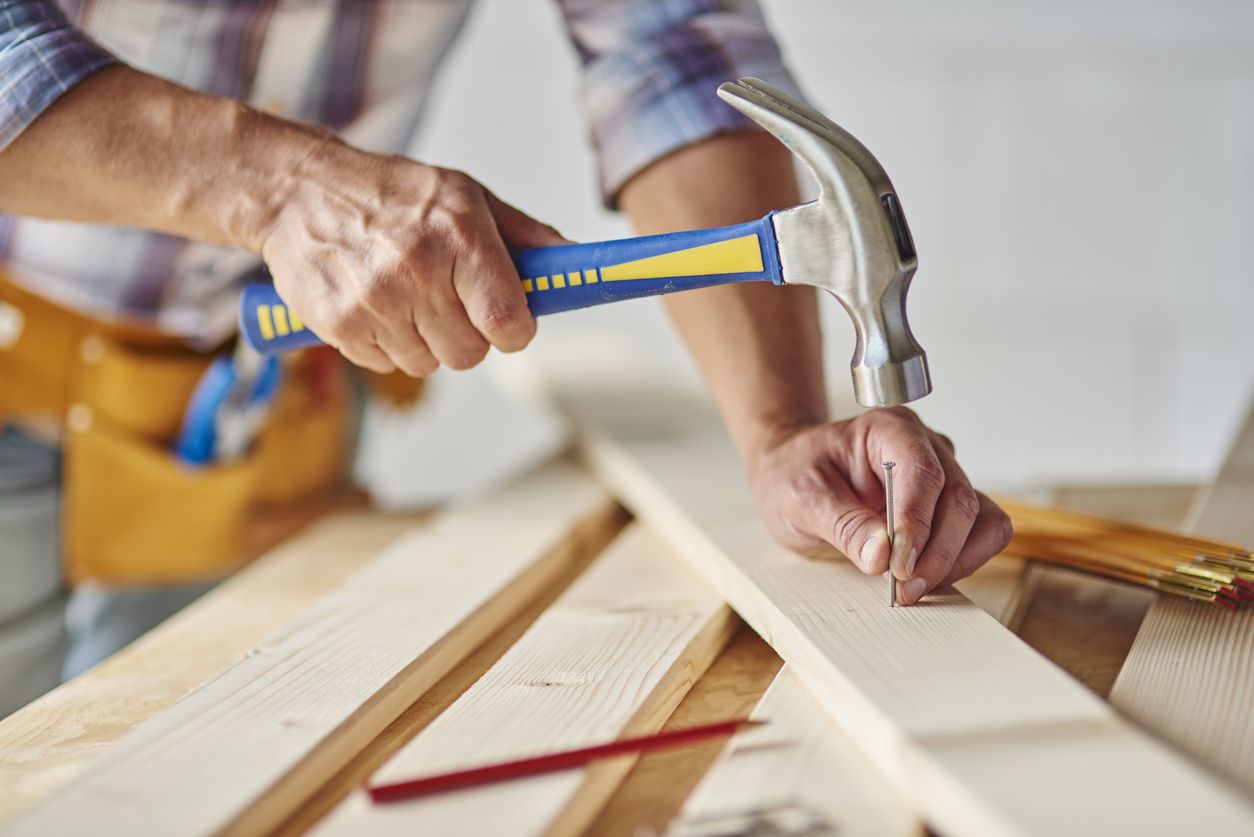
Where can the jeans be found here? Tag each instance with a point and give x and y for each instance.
(49, 633)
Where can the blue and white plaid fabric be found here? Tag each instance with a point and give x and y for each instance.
(361, 67)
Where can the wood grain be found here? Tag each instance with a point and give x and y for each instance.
(1190, 674)
(801, 758)
(979, 731)
(354, 775)
(241, 752)
(660, 782)
(45, 744)
(1002, 588)
(611, 658)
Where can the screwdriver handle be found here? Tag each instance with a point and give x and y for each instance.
(566, 277)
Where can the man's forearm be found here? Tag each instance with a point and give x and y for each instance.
(758, 346)
(126, 148)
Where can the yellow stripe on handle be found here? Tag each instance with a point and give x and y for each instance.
(736, 255)
(280, 320)
(297, 323)
(264, 324)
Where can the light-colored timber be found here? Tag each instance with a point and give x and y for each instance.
(800, 759)
(240, 753)
(977, 730)
(609, 659)
(1190, 674)
(48, 742)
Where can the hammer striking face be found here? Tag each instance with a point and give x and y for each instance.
(852, 242)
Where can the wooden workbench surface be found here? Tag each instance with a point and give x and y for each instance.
(1084, 624)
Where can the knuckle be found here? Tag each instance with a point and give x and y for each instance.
(375, 295)
(419, 368)
(1002, 528)
(343, 326)
(904, 414)
(944, 556)
(929, 475)
(965, 501)
(511, 325)
(417, 363)
(467, 355)
(845, 528)
(464, 225)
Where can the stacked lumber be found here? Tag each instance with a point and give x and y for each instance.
(981, 734)
(880, 721)
(1190, 674)
(242, 752)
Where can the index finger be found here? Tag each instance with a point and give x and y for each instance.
(918, 480)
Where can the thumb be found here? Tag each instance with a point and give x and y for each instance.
(838, 517)
(518, 229)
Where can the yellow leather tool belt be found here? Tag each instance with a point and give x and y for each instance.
(133, 513)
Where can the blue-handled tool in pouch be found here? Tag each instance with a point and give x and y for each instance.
(852, 242)
(228, 406)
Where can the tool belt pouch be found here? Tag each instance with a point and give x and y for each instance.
(133, 513)
(137, 514)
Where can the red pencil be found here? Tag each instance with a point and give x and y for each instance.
(551, 763)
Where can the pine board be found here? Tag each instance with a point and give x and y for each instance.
(801, 758)
(981, 733)
(49, 742)
(661, 781)
(610, 658)
(1190, 674)
(240, 753)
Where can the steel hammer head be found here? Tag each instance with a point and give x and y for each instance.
(852, 242)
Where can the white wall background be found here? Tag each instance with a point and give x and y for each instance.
(1079, 178)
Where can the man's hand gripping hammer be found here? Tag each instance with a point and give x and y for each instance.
(852, 242)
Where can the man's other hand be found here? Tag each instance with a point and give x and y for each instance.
(821, 486)
(401, 265)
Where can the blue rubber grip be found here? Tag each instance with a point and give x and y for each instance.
(572, 276)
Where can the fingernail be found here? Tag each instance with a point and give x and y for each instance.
(910, 562)
(871, 548)
(913, 590)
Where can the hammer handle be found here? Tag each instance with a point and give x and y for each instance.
(570, 276)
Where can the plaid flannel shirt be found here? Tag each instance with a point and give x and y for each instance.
(361, 67)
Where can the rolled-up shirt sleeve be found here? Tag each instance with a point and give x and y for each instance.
(650, 72)
(41, 57)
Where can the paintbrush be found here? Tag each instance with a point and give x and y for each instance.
(552, 762)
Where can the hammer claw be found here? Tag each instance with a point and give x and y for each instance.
(852, 241)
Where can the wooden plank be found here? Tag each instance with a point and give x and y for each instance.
(1190, 674)
(1084, 623)
(654, 791)
(241, 752)
(612, 657)
(800, 760)
(980, 732)
(427, 708)
(45, 744)
(1002, 589)
(804, 759)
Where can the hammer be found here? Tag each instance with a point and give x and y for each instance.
(852, 242)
